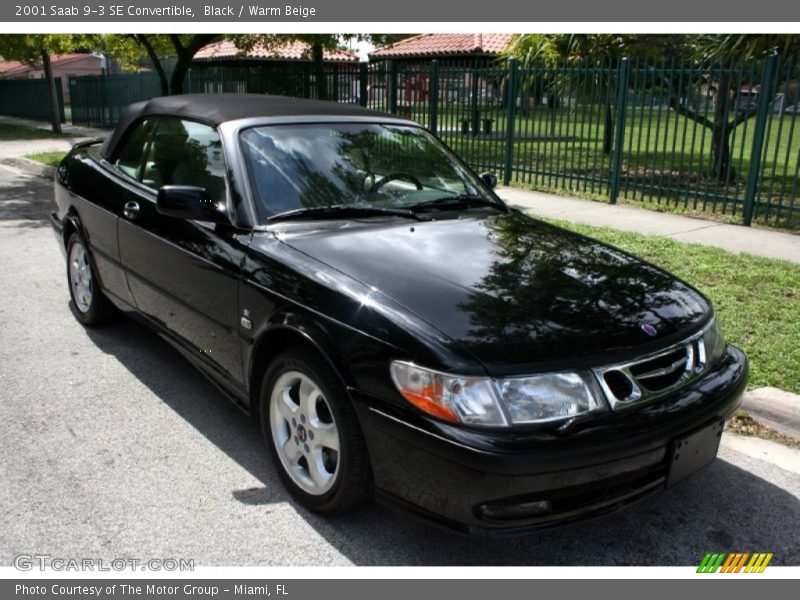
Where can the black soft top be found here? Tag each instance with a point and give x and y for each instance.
(214, 109)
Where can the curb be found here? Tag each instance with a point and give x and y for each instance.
(769, 451)
(31, 167)
(774, 408)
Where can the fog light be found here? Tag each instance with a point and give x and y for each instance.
(513, 512)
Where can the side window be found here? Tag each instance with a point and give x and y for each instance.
(185, 153)
(130, 158)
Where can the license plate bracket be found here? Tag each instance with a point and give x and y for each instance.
(694, 451)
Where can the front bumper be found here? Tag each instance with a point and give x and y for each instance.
(490, 484)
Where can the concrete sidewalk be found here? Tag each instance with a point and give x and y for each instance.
(66, 128)
(734, 238)
(10, 149)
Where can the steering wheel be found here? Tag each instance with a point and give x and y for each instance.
(393, 176)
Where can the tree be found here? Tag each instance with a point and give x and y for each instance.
(741, 47)
(713, 56)
(722, 54)
(129, 49)
(379, 40)
(552, 50)
(34, 50)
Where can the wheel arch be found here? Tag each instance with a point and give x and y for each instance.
(72, 224)
(279, 337)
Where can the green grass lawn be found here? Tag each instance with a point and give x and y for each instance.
(757, 299)
(52, 159)
(20, 132)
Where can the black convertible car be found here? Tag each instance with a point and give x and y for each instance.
(397, 331)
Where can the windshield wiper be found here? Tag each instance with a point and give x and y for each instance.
(341, 211)
(461, 200)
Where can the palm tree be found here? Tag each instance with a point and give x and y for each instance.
(533, 51)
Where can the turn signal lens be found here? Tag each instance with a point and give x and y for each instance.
(714, 341)
(470, 400)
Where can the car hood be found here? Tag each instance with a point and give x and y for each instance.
(517, 293)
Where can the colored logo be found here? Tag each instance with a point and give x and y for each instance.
(648, 329)
(736, 562)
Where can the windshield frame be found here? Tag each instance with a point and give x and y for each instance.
(232, 131)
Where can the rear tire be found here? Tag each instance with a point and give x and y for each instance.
(87, 302)
(313, 434)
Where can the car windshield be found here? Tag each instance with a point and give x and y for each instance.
(362, 166)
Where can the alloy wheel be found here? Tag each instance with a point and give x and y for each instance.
(80, 277)
(304, 432)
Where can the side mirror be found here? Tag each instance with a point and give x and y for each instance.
(490, 179)
(188, 202)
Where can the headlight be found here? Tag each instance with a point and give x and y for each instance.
(548, 397)
(484, 401)
(714, 342)
(471, 400)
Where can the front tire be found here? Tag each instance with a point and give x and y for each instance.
(313, 434)
(87, 301)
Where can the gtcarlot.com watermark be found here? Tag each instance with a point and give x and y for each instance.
(44, 562)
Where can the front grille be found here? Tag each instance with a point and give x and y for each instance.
(664, 371)
(655, 375)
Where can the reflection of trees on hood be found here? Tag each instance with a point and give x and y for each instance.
(549, 285)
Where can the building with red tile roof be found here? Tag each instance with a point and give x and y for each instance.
(11, 69)
(81, 63)
(226, 51)
(284, 69)
(448, 48)
(460, 52)
(64, 67)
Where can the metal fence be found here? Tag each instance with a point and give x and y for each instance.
(98, 100)
(29, 99)
(715, 138)
(719, 138)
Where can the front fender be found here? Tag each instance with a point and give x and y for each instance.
(286, 328)
(357, 329)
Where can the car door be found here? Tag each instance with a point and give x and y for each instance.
(102, 187)
(183, 274)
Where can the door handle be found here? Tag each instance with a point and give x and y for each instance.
(131, 210)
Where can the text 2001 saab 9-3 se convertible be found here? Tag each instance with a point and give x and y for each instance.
(397, 331)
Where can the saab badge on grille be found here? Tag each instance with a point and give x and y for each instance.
(648, 329)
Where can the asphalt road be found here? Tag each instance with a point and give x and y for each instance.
(114, 446)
